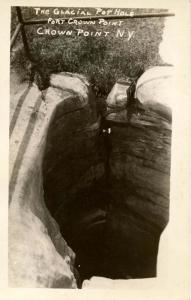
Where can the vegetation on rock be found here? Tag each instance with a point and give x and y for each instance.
(102, 59)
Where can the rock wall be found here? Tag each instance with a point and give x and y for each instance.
(105, 180)
(111, 191)
(70, 149)
(38, 254)
(140, 170)
(141, 148)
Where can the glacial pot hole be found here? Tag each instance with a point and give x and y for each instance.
(101, 173)
(108, 190)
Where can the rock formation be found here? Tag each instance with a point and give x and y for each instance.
(104, 179)
(110, 191)
(38, 254)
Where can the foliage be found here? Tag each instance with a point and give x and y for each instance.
(102, 59)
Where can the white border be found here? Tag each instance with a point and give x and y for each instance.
(176, 284)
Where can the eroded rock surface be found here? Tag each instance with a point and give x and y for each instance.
(110, 191)
(38, 254)
(105, 180)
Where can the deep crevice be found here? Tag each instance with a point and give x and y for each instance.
(100, 219)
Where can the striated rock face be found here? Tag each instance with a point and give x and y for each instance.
(103, 180)
(38, 254)
(71, 141)
(140, 173)
(110, 192)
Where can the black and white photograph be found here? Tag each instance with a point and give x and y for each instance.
(92, 95)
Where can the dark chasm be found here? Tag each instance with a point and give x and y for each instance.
(106, 184)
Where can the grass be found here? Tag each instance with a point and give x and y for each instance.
(103, 59)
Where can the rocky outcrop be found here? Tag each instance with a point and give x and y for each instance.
(110, 191)
(38, 254)
(140, 170)
(141, 148)
(154, 90)
(70, 157)
(104, 180)
(117, 98)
